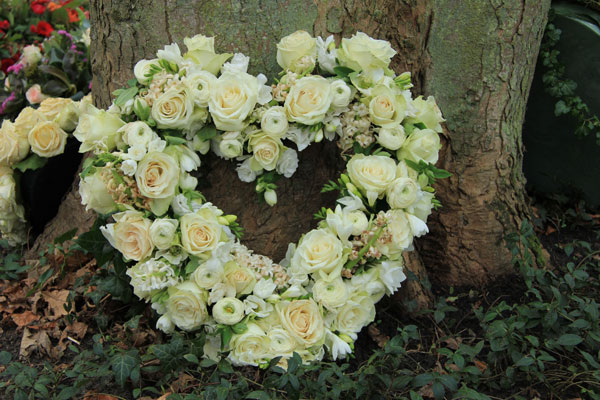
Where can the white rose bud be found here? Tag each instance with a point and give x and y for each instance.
(342, 94)
(270, 197)
(362, 52)
(98, 130)
(274, 122)
(391, 137)
(142, 68)
(163, 232)
(228, 311)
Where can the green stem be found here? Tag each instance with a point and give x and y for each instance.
(365, 249)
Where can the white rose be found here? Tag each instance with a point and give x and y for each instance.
(199, 85)
(208, 274)
(130, 235)
(157, 175)
(165, 324)
(186, 306)
(358, 312)
(331, 294)
(250, 347)
(265, 151)
(293, 47)
(303, 320)
(200, 232)
(231, 145)
(173, 109)
(52, 107)
(241, 278)
(274, 122)
(402, 193)
(232, 100)
(319, 250)
(373, 174)
(245, 172)
(391, 137)
(68, 117)
(288, 163)
(308, 100)
(7, 191)
(428, 113)
(142, 68)
(200, 42)
(163, 232)
(341, 94)
(362, 52)
(422, 144)
(385, 107)
(98, 130)
(95, 196)
(228, 311)
(13, 148)
(47, 139)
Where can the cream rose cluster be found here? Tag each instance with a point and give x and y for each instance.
(184, 255)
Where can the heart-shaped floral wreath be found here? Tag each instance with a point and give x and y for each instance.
(185, 255)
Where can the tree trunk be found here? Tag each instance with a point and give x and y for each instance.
(475, 56)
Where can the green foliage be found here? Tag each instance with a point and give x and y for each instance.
(32, 162)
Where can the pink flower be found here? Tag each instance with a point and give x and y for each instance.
(34, 94)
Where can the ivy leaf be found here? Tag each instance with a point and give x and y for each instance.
(32, 162)
(561, 108)
(123, 365)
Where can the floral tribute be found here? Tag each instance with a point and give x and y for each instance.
(185, 255)
(27, 144)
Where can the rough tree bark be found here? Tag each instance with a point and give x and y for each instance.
(476, 57)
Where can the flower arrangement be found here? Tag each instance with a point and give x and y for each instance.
(59, 67)
(26, 144)
(185, 254)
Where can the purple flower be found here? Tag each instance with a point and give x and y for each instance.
(6, 101)
(16, 68)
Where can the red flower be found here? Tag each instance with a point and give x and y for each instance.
(39, 6)
(73, 16)
(7, 62)
(43, 28)
(4, 25)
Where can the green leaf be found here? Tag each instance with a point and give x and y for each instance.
(5, 357)
(226, 334)
(191, 358)
(342, 72)
(175, 140)
(207, 132)
(239, 328)
(524, 362)
(569, 339)
(65, 236)
(122, 365)
(125, 95)
(258, 395)
(32, 162)
(561, 108)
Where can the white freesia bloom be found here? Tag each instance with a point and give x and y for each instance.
(219, 291)
(287, 163)
(238, 64)
(392, 275)
(165, 324)
(327, 53)
(256, 306)
(245, 172)
(301, 136)
(128, 167)
(264, 288)
(171, 53)
(336, 346)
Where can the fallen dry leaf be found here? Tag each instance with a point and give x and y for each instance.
(78, 329)
(480, 364)
(99, 396)
(453, 343)
(38, 341)
(24, 318)
(377, 336)
(56, 300)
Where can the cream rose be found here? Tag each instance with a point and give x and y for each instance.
(26, 120)
(163, 232)
(331, 294)
(173, 109)
(47, 139)
(186, 306)
(362, 52)
(157, 175)
(31, 55)
(385, 107)
(52, 107)
(130, 234)
(391, 137)
(422, 144)
(402, 193)
(98, 130)
(241, 278)
(13, 147)
(303, 320)
(34, 94)
(274, 122)
(319, 250)
(200, 232)
(233, 97)
(292, 48)
(228, 311)
(308, 100)
(372, 174)
(358, 312)
(95, 196)
(265, 151)
(7, 191)
(250, 347)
